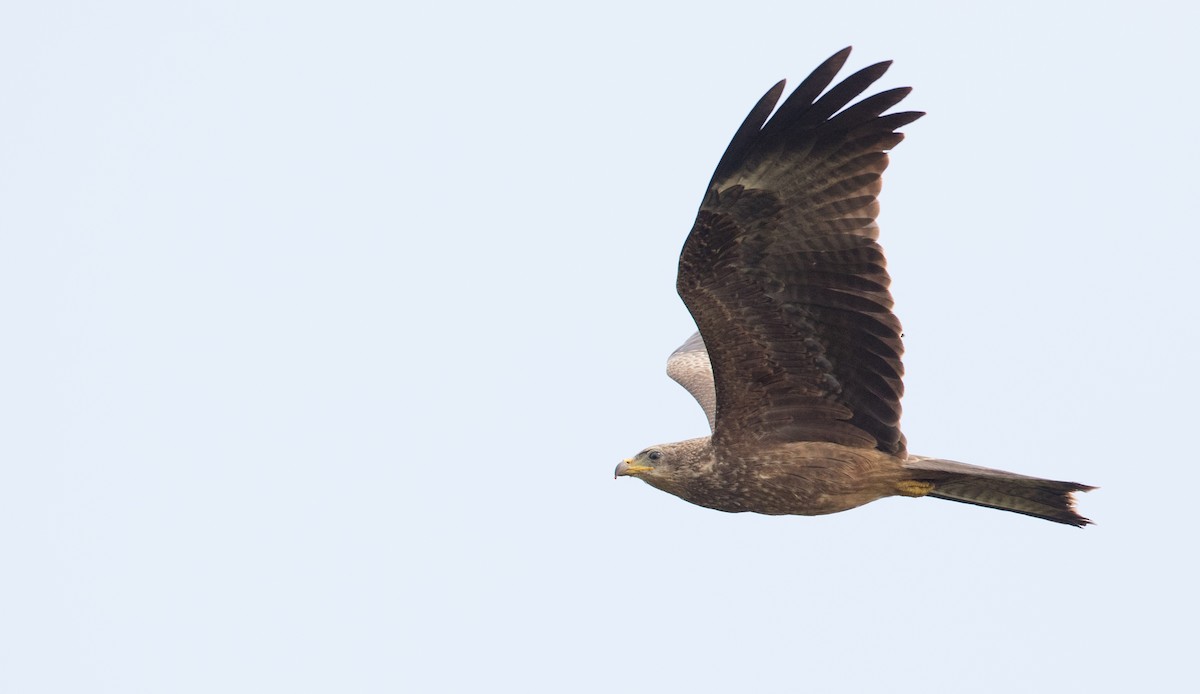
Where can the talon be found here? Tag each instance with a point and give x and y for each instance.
(914, 488)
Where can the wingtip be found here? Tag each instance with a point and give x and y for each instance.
(876, 70)
(838, 60)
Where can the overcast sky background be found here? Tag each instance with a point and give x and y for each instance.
(326, 323)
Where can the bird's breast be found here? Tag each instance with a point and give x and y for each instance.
(809, 478)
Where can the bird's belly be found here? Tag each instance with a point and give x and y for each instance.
(809, 483)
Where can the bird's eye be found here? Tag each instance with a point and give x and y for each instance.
(654, 455)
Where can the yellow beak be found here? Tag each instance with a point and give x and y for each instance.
(627, 467)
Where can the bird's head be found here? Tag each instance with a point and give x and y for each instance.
(645, 464)
(659, 465)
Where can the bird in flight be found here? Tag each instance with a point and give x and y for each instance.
(797, 358)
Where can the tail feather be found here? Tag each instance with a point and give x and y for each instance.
(1007, 491)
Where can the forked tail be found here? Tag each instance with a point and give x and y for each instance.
(1007, 491)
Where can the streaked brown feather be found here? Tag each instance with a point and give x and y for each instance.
(783, 276)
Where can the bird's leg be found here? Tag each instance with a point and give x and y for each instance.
(913, 488)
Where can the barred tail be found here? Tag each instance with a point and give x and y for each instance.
(1007, 491)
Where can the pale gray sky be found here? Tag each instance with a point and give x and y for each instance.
(325, 324)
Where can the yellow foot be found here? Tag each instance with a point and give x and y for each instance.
(914, 488)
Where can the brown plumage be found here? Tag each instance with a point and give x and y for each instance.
(797, 360)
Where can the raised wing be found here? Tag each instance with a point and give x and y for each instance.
(784, 277)
(690, 368)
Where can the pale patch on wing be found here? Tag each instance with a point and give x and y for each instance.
(689, 367)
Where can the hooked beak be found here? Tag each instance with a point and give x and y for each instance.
(628, 467)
